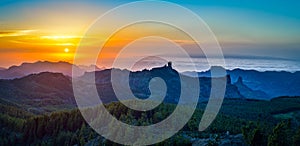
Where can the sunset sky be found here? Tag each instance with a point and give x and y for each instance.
(51, 30)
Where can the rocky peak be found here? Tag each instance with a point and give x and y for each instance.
(240, 80)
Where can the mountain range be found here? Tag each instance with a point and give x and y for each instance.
(48, 91)
(45, 86)
(45, 66)
(273, 83)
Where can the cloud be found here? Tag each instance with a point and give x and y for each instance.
(27, 37)
(43, 43)
(56, 37)
(14, 33)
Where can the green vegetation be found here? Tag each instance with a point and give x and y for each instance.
(281, 135)
(255, 134)
(251, 118)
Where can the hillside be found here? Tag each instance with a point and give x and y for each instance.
(39, 92)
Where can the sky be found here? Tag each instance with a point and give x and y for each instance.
(51, 30)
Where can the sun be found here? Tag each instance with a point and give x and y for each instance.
(66, 50)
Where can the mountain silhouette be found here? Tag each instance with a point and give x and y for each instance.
(273, 83)
(46, 91)
(45, 66)
(139, 83)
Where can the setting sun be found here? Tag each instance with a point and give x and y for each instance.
(66, 50)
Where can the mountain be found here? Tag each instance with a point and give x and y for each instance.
(2, 68)
(273, 83)
(139, 83)
(44, 66)
(90, 68)
(39, 93)
(248, 92)
(46, 91)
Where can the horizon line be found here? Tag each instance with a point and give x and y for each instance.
(107, 68)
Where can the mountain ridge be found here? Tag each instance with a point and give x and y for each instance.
(45, 91)
(45, 66)
(273, 83)
(55, 89)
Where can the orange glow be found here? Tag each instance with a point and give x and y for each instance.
(131, 33)
(31, 45)
(34, 45)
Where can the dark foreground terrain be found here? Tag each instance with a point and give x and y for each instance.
(240, 122)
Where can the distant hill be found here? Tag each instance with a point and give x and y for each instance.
(91, 68)
(273, 83)
(46, 92)
(44, 66)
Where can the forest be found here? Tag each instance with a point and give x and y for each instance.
(270, 124)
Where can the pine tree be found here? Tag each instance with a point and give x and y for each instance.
(280, 135)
